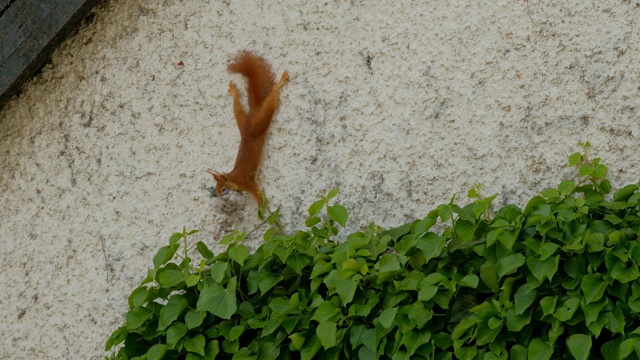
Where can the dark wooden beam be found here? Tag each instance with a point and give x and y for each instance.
(30, 30)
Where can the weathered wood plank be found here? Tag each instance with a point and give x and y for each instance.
(30, 30)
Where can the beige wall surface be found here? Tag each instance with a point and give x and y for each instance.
(401, 104)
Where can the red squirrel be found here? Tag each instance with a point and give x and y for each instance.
(263, 95)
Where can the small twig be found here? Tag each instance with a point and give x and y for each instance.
(176, 77)
(256, 228)
(529, 13)
(203, 98)
(107, 266)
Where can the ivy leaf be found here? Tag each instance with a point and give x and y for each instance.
(170, 312)
(171, 275)
(175, 333)
(543, 269)
(592, 288)
(418, 315)
(510, 264)
(204, 250)
(548, 305)
(346, 289)
(321, 267)
(267, 281)
(315, 208)
(326, 312)
(465, 230)
(566, 311)
(236, 332)
(279, 307)
(486, 334)
(550, 193)
(547, 249)
(579, 346)
(515, 322)
(575, 159)
(164, 255)
(489, 275)
(314, 220)
(156, 352)
(211, 350)
(218, 300)
(592, 311)
(518, 352)
(615, 321)
(310, 348)
(431, 245)
(339, 214)
(624, 273)
(244, 354)
(365, 354)
(271, 325)
(613, 219)
(370, 340)
(192, 280)
(351, 265)
(481, 206)
(445, 211)
(413, 340)
(585, 170)
(470, 280)
(540, 350)
(387, 317)
(427, 292)
(194, 318)
(327, 334)
(297, 340)
(524, 297)
(628, 347)
(333, 193)
(566, 187)
(625, 193)
(600, 171)
(389, 263)
(137, 316)
(238, 253)
(298, 262)
(218, 271)
(195, 344)
(466, 352)
(139, 296)
(173, 239)
(245, 309)
(116, 338)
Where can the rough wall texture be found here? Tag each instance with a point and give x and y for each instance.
(401, 104)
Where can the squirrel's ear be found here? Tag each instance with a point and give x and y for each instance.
(216, 175)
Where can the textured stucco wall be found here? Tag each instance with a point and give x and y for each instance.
(401, 104)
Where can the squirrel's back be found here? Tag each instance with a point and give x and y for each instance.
(260, 79)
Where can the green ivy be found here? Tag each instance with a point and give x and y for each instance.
(558, 279)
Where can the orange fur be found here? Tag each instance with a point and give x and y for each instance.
(263, 95)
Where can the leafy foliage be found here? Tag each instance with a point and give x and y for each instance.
(558, 279)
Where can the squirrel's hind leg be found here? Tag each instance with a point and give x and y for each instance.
(238, 110)
(270, 104)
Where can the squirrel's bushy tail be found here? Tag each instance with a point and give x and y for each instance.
(260, 79)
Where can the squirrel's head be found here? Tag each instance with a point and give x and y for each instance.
(222, 183)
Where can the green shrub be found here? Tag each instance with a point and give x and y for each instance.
(555, 280)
